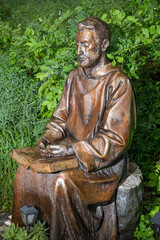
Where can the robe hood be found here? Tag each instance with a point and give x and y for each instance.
(108, 68)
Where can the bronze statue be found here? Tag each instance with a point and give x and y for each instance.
(92, 129)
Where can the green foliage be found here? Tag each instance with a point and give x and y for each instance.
(136, 47)
(37, 232)
(144, 230)
(138, 34)
(145, 146)
(51, 91)
(137, 50)
(42, 51)
(154, 181)
(20, 122)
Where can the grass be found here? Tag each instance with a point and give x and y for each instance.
(20, 123)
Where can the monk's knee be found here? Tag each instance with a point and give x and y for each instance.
(61, 182)
(64, 185)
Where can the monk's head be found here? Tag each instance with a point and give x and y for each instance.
(92, 40)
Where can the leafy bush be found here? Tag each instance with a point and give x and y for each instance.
(137, 43)
(145, 146)
(144, 230)
(37, 232)
(137, 50)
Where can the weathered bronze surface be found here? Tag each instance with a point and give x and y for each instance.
(31, 157)
(89, 135)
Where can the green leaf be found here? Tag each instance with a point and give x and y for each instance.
(53, 103)
(30, 44)
(120, 15)
(46, 103)
(152, 183)
(110, 56)
(114, 63)
(158, 185)
(152, 29)
(54, 89)
(44, 68)
(153, 176)
(154, 211)
(137, 41)
(78, 9)
(68, 68)
(40, 75)
(120, 59)
(49, 96)
(104, 17)
(49, 106)
(29, 31)
(158, 29)
(145, 32)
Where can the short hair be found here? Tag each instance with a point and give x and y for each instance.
(95, 24)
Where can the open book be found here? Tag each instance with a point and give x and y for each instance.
(30, 157)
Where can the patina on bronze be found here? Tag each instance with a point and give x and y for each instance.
(89, 135)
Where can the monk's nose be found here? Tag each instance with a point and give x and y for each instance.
(80, 50)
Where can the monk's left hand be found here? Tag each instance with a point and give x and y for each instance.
(60, 150)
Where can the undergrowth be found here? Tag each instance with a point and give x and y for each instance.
(37, 232)
(20, 122)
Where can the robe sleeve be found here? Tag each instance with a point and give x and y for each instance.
(115, 129)
(56, 128)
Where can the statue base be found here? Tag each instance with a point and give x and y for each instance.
(36, 189)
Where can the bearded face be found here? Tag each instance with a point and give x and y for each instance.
(88, 48)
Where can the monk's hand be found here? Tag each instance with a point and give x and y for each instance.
(42, 143)
(60, 150)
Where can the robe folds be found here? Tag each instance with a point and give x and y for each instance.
(98, 117)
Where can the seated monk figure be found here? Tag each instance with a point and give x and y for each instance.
(94, 124)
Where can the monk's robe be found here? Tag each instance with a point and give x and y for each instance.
(98, 114)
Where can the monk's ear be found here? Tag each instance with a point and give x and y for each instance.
(104, 45)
